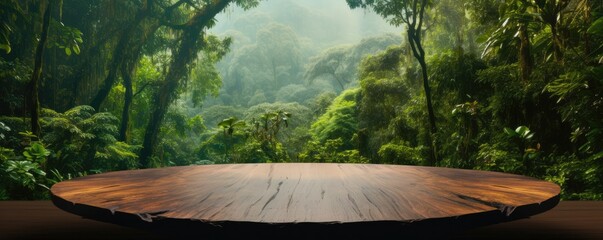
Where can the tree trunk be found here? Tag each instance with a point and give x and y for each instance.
(125, 114)
(33, 99)
(414, 40)
(166, 94)
(432, 122)
(90, 69)
(121, 52)
(525, 56)
(557, 53)
(185, 54)
(127, 69)
(118, 58)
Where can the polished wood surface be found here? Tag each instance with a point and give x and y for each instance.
(304, 195)
(570, 220)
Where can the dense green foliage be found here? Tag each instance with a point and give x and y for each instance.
(513, 86)
(339, 121)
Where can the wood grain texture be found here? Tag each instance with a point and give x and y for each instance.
(300, 197)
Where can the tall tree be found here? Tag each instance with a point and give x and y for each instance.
(127, 42)
(126, 72)
(190, 42)
(127, 69)
(526, 62)
(33, 98)
(410, 13)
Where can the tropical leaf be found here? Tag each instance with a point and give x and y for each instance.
(596, 28)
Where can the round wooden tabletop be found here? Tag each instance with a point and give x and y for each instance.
(304, 198)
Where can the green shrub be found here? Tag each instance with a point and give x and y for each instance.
(578, 178)
(330, 152)
(23, 177)
(493, 158)
(83, 140)
(339, 121)
(401, 153)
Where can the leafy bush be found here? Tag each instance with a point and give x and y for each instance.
(508, 92)
(254, 141)
(339, 121)
(300, 112)
(578, 178)
(330, 152)
(13, 75)
(580, 103)
(219, 146)
(12, 138)
(179, 137)
(22, 177)
(493, 158)
(401, 153)
(3, 129)
(84, 140)
(514, 152)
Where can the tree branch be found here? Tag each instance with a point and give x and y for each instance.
(414, 12)
(175, 5)
(141, 89)
(421, 13)
(163, 22)
(413, 43)
(405, 16)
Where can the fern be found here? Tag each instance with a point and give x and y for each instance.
(85, 140)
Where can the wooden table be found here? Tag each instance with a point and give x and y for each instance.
(305, 200)
(25, 220)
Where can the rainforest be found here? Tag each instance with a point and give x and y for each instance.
(94, 86)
